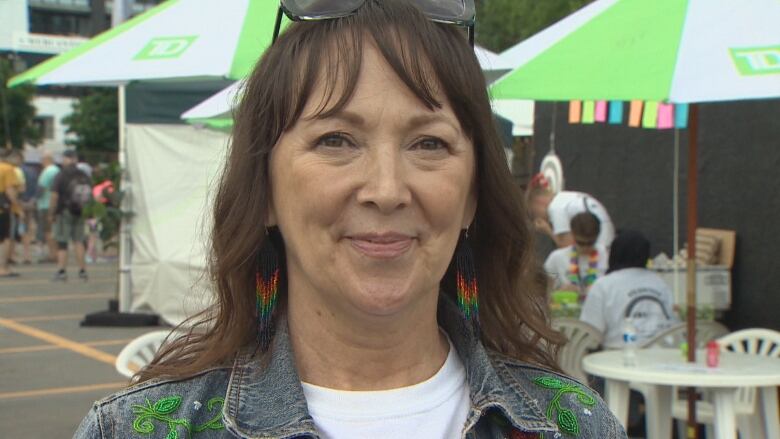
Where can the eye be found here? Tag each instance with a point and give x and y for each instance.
(430, 144)
(334, 140)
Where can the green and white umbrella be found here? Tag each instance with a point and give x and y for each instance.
(178, 39)
(679, 51)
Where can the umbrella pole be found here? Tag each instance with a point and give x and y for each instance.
(693, 133)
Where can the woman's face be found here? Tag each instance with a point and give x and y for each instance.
(370, 201)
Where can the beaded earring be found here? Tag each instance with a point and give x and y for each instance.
(466, 280)
(267, 289)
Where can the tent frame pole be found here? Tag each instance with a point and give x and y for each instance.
(118, 313)
(125, 284)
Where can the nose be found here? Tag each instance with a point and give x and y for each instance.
(385, 186)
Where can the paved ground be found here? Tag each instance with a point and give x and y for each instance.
(52, 369)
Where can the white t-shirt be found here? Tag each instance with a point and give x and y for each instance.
(558, 264)
(435, 408)
(565, 205)
(636, 293)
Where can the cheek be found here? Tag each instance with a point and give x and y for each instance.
(304, 195)
(444, 204)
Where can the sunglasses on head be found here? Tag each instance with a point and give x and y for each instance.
(458, 12)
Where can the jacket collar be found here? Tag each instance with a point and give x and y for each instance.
(265, 398)
(491, 385)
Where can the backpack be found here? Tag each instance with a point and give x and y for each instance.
(78, 193)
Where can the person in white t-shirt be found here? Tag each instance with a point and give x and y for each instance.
(576, 267)
(562, 208)
(629, 291)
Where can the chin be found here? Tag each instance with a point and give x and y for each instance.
(381, 298)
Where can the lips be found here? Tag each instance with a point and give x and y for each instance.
(382, 246)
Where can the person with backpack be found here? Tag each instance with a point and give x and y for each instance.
(70, 193)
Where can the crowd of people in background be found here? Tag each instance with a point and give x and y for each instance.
(42, 209)
(606, 270)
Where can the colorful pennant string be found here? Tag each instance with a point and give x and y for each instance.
(681, 116)
(665, 116)
(650, 115)
(616, 112)
(601, 111)
(647, 114)
(575, 111)
(588, 112)
(635, 114)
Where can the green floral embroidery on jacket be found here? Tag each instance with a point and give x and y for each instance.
(566, 419)
(163, 410)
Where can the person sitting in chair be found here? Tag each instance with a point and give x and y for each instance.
(629, 291)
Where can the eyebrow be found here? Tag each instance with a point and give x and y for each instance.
(414, 122)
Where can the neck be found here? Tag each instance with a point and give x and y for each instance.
(342, 352)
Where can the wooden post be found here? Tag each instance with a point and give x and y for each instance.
(693, 131)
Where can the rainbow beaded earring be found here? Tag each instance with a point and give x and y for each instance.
(267, 289)
(466, 280)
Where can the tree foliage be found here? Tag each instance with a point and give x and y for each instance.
(94, 121)
(503, 23)
(16, 110)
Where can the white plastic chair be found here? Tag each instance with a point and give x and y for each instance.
(765, 342)
(582, 338)
(139, 352)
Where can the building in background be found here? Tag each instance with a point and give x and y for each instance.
(32, 31)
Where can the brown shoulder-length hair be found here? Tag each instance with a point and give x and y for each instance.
(432, 60)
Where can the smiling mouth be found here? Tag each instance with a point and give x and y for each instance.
(382, 247)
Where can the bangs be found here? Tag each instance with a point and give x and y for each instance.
(421, 53)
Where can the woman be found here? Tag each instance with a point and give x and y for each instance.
(578, 266)
(363, 154)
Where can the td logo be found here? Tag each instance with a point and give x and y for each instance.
(165, 48)
(757, 60)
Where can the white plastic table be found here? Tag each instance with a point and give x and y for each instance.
(662, 368)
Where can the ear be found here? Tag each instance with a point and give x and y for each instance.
(270, 217)
(471, 208)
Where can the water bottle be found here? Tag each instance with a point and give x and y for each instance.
(629, 343)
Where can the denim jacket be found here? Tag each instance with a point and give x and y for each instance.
(264, 399)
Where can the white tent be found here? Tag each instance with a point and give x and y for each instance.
(173, 169)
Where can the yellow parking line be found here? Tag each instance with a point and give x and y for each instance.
(23, 349)
(46, 318)
(62, 390)
(22, 299)
(51, 347)
(56, 340)
(109, 342)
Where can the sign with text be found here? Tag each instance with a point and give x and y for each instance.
(757, 60)
(165, 48)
